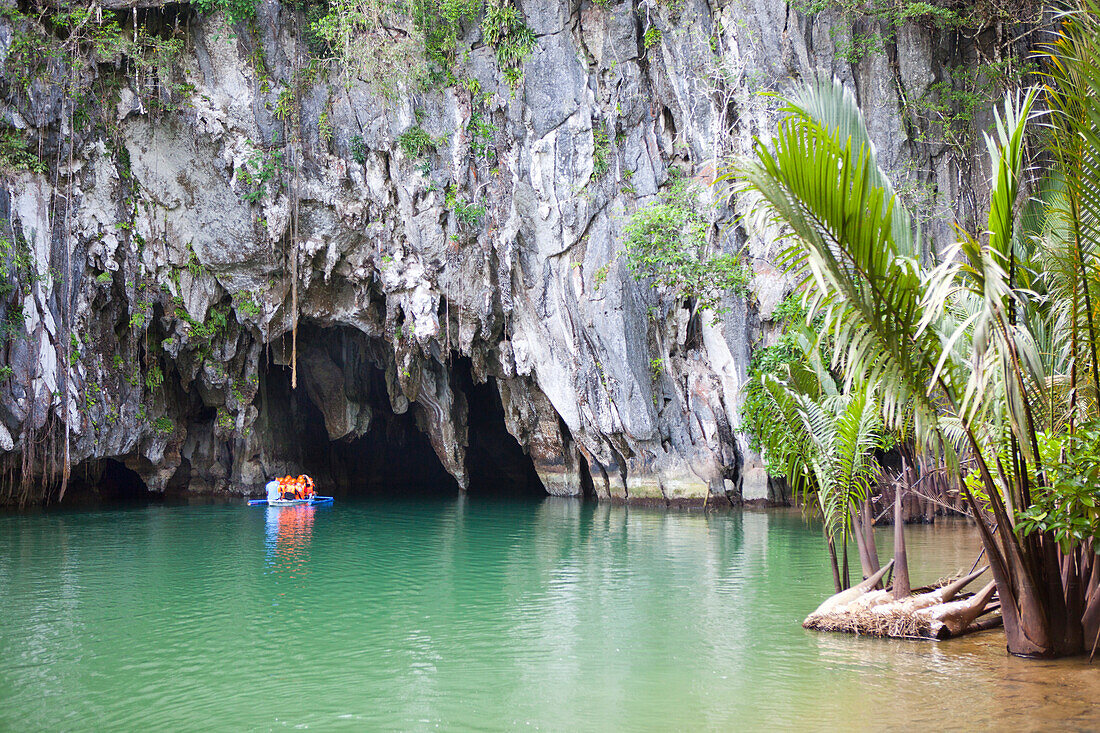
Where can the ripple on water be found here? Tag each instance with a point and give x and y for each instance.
(477, 616)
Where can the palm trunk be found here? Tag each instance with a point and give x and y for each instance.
(861, 541)
(832, 558)
(901, 562)
(1090, 619)
(844, 549)
(869, 533)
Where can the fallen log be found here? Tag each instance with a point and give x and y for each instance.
(933, 614)
(952, 619)
(985, 624)
(845, 597)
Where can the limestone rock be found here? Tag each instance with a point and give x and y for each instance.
(166, 337)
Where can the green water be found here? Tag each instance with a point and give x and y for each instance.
(468, 615)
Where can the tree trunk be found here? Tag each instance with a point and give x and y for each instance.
(901, 562)
(861, 542)
(869, 533)
(844, 550)
(832, 558)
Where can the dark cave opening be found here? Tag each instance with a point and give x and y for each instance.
(393, 458)
(107, 481)
(495, 462)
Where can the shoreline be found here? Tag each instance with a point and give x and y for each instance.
(86, 502)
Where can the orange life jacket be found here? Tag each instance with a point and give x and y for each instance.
(307, 485)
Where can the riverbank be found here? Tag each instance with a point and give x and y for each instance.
(84, 499)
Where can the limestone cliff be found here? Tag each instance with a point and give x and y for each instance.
(182, 235)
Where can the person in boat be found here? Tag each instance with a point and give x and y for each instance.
(291, 489)
(306, 484)
(274, 491)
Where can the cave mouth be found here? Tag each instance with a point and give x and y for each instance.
(107, 481)
(495, 462)
(394, 459)
(391, 459)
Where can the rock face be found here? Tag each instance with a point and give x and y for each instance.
(184, 247)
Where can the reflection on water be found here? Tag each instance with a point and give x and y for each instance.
(554, 615)
(289, 529)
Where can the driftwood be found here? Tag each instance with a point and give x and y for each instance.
(847, 596)
(933, 614)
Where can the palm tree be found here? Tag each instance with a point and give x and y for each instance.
(825, 441)
(948, 344)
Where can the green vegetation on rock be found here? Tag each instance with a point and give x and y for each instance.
(666, 243)
(358, 38)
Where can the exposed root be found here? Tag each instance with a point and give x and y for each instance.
(934, 614)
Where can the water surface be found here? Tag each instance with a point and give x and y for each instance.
(467, 614)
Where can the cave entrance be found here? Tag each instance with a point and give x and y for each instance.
(106, 481)
(393, 458)
(495, 462)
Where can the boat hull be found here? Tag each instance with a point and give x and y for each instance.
(314, 501)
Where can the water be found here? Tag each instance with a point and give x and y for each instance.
(468, 615)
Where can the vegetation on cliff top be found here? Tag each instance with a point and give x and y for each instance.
(414, 42)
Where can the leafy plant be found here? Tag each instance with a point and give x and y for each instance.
(797, 343)
(651, 37)
(236, 11)
(359, 149)
(415, 142)
(601, 152)
(324, 128)
(1069, 507)
(351, 35)
(140, 317)
(225, 420)
(656, 368)
(246, 304)
(262, 175)
(505, 31)
(284, 105)
(16, 154)
(600, 276)
(469, 213)
(154, 377)
(666, 244)
(481, 134)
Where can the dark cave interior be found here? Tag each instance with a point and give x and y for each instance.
(394, 458)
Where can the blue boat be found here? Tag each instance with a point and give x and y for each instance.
(313, 500)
